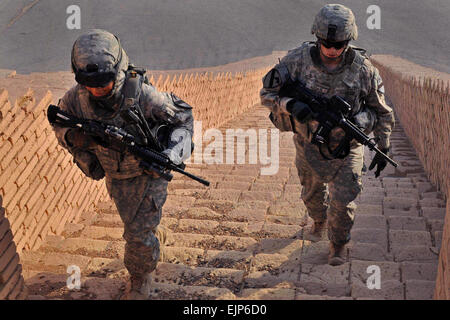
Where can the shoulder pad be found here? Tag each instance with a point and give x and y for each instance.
(276, 77)
(178, 102)
(361, 51)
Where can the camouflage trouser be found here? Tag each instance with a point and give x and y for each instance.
(139, 201)
(332, 197)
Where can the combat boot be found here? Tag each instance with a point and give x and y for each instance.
(337, 254)
(318, 232)
(138, 288)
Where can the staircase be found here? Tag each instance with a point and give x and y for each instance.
(242, 238)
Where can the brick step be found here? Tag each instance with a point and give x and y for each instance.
(204, 241)
(199, 276)
(84, 247)
(170, 291)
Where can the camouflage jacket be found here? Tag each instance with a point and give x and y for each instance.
(355, 79)
(156, 106)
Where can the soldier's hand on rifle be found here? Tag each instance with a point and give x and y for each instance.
(76, 138)
(173, 156)
(379, 161)
(299, 110)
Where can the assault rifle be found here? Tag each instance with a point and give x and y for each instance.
(117, 138)
(330, 113)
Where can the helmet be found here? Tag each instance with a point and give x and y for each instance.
(335, 23)
(98, 58)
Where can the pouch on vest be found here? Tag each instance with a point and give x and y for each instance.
(88, 164)
(281, 121)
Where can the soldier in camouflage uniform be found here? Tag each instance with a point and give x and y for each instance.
(330, 66)
(102, 71)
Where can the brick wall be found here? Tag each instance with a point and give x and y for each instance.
(421, 97)
(215, 98)
(42, 188)
(12, 285)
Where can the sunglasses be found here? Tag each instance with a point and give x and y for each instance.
(336, 45)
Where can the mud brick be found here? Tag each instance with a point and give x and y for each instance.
(102, 233)
(274, 263)
(189, 240)
(438, 239)
(300, 221)
(9, 269)
(281, 231)
(244, 186)
(325, 279)
(228, 259)
(5, 241)
(370, 199)
(272, 178)
(4, 227)
(288, 247)
(9, 254)
(375, 191)
(235, 178)
(425, 187)
(416, 253)
(399, 203)
(435, 225)
(369, 209)
(315, 253)
(293, 188)
(410, 193)
(168, 291)
(259, 195)
(232, 243)
(429, 202)
(390, 290)
(202, 213)
(370, 235)
(16, 291)
(369, 221)
(288, 209)
(264, 279)
(232, 195)
(419, 271)
(246, 215)
(186, 256)
(413, 212)
(12, 281)
(407, 223)
(368, 251)
(268, 294)
(197, 226)
(239, 171)
(184, 275)
(170, 223)
(267, 187)
(419, 289)
(402, 238)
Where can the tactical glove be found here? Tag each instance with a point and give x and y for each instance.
(173, 156)
(299, 110)
(379, 161)
(76, 138)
